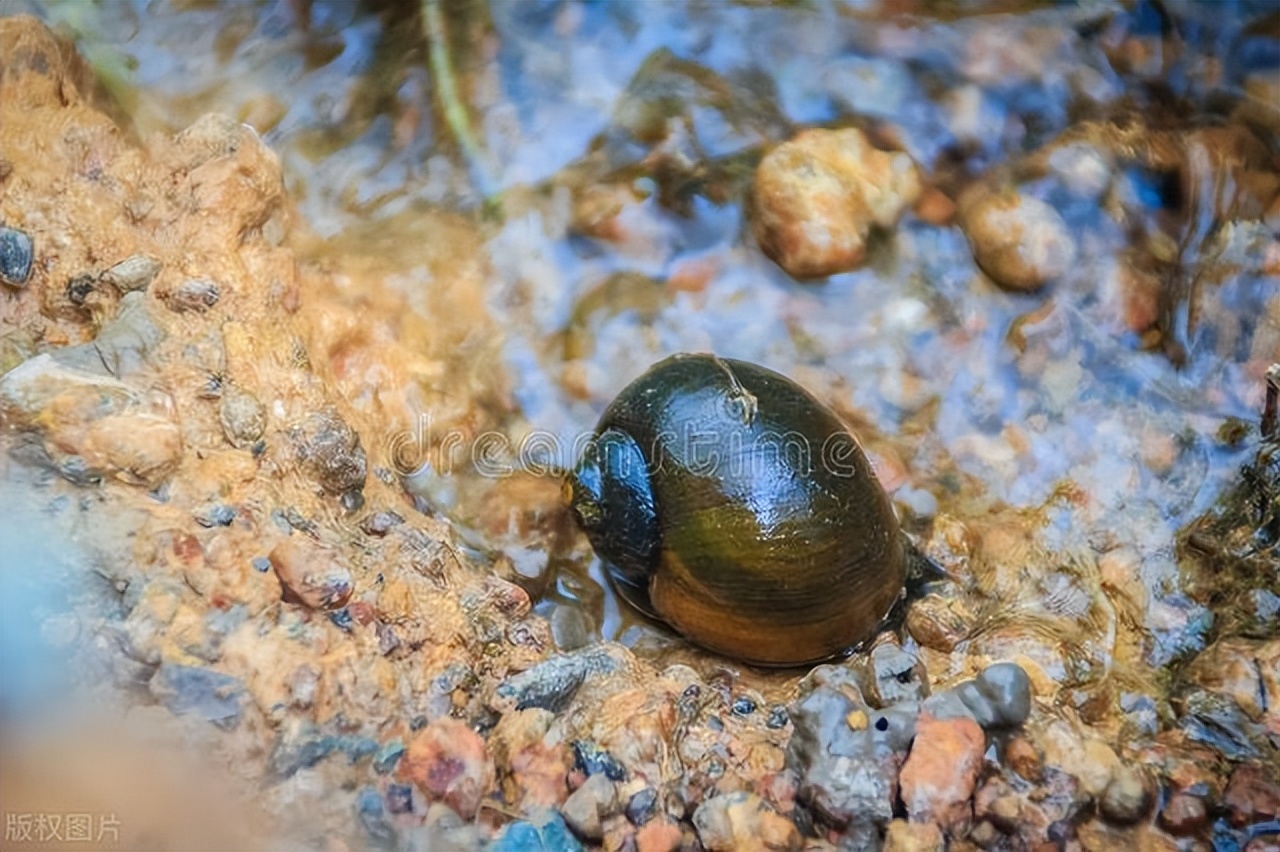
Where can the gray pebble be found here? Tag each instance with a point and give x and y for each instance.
(243, 417)
(134, 273)
(1126, 798)
(211, 695)
(16, 256)
(194, 294)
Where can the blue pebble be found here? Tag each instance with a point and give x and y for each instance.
(550, 835)
(16, 255)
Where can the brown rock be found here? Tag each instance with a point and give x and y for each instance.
(448, 762)
(311, 575)
(1184, 815)
(743, 822)
(1021, 756)
(1018, 240)
(904, 836)
(658, 835)
(817, 196)
(1253, 794)
(940, 772)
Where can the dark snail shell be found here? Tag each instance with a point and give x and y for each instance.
(731, 504)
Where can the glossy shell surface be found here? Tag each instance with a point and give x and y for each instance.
(733, 505)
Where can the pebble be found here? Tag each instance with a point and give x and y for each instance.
(817, 196)
(208, 694)
(893, 676)
(642, 805)
(311, 575)
(659, 835)
(1018, 240)
(16, 256)
(743, 822)
(388, 756)
(1127, 797)
(134, 273)
(941, 771)
(373, 817)
(217, 515)
(329, 451)
(448, 763)
(998, 697)
(1253, 794)
(546, 832)
(400, 798)
(1184, 815)
(590, 759)
(1021, 756)
(903, 836)
(193, 295)
(590, 805)
(243, 417)
(379, 524)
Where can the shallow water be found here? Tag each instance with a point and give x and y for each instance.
(972, 399)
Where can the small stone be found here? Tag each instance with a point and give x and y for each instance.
(1021, 756)
(593, 760)
(817, 196)
(544, 833)
(16, 256)
(329, 451)
(448, 762)
(1127, 797)
(1184, 815)
(894, 676)
(744, 822)
(587, 807)
(1018, 240)
(211, 695)
(135, 272)
(904, 836)
(1253, 794)
(217, 515)
(379, 524)
(243, 417)
(642, 806)
(388, 756)
(373, 817)
(310, 575)
(941, 770)
(659, 835)
(193, 295)
(400, 798)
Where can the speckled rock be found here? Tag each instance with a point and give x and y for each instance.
(588, 806)
(448, 763)
(1253, 794)
(93, 426)
(544, 832)
(310, 575)
(329, 450)
(134, 273)
(16, 256)
(743, 822)
(242, 416)
(816, 198)
(939, 775)
(903, 836)
(194, 294)
(1184, 814)
(1127, 797)
(1019, 240)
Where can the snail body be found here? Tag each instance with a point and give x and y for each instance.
(731, 504)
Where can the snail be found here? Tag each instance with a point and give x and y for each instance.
(731, 504)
